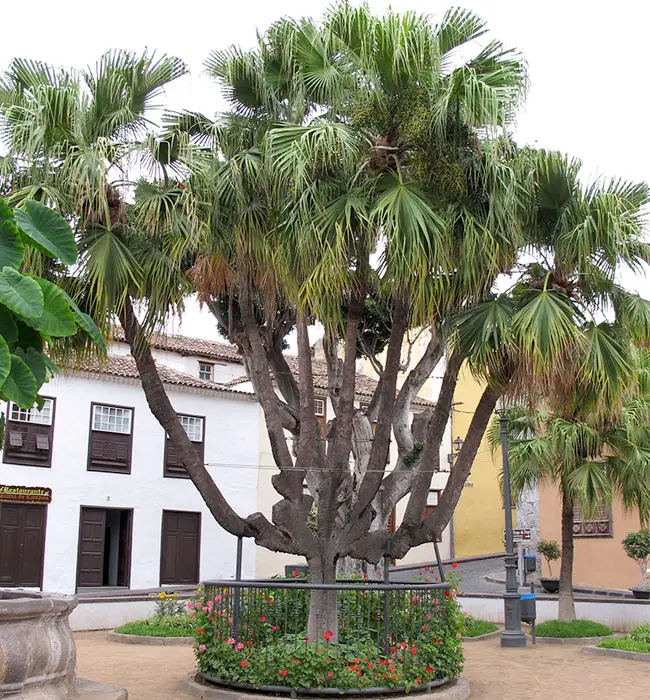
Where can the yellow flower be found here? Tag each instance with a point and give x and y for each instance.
(161, 596)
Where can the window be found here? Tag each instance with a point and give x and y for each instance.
(206, 371)
(320, 411)
(433, 498)
(194, 427)
(29, 433)
(111, 437)
(33, 415)
(599, 526)
(110, 419)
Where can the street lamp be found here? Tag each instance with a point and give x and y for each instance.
(512, 635)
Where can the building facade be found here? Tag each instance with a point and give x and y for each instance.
(92, 494)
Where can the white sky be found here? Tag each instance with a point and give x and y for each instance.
(589, 64)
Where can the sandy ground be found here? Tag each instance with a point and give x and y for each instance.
(546, 671)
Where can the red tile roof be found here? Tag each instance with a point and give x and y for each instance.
(124, 366)
(209, 349)
(184, 345)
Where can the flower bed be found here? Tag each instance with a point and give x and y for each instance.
(638, 640)
(572, 629)
(399, 637)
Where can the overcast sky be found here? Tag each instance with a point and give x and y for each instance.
(589, 64)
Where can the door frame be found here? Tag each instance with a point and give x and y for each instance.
(198, 543)
(81, 507)
(45, 506)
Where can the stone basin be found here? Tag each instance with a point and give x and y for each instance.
(37, 651)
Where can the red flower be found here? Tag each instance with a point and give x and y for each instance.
(454, 565)
(330, 675)
(328, 635)
(262, 618)
(243, 664)
(371, 665)
(275, 628)
(360, 673)
(419, 679)
(283, 672)
(429, 669)
(414, 650)
(295, 661)
(199, 630)
(447, 594)
(211, 618)
(249, 643)
(328, 660)
(357, 661)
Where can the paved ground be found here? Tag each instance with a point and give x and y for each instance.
(549, 672)
(472, 578)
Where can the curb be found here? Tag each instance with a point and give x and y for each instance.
(619, 653)
(149, 641)
(570, 640)
(481, 637)
(456, 690)
(91, 690)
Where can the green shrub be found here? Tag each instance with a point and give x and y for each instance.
(641, 633)
(574, 628)
(476, 628)
(626, 644)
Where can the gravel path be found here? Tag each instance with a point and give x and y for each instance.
(554, 673)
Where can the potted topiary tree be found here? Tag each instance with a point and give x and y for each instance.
(637, 547)
(550, 550)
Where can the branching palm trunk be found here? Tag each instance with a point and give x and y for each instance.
(566, 607)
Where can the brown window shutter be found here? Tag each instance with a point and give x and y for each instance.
(15, 438)
(42, 442)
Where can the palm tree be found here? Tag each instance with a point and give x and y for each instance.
(591, 460)
(328, 187)
(569, 331)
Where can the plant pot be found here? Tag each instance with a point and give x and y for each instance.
(550, 585)
(641, 593)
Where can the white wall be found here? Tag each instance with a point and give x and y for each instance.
(231, 441)
(619, 616)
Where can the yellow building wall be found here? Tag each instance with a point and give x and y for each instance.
(479, 515)
(597, 561)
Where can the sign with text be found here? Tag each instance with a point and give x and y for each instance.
(522, 534)
(25, 494)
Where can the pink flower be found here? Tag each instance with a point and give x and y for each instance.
(189, 605)
(459, 635)
(217, 598)
(230, 641)
(262, 618)
(239, 647)
(202, 647)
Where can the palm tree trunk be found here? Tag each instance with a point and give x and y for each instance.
(566, 607)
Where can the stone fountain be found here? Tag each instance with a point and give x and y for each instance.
(37, 650)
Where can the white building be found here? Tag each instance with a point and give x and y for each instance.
(92, 499)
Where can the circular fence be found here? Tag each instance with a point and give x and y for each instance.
(389, 638)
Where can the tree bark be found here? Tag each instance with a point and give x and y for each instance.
(323, 608)
(566, 607)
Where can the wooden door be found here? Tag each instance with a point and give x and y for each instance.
(124, 556)
(22, 544)
(179, 551)
(92, 528)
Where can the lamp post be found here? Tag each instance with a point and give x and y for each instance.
(512, 635)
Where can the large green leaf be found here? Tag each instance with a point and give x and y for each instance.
(9, 326)
(21, 294)
(36, 362)
(11, 247)
(85, 322)
(20, 386)
(57, 318)
(5, 360)
(48, 230)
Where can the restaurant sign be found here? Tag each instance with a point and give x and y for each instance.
(25, 494)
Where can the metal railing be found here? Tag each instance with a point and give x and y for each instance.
(381, 626)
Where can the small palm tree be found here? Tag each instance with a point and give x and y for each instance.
(591, 461)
